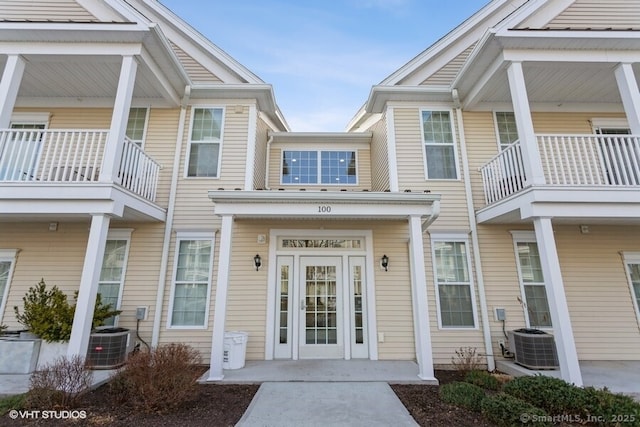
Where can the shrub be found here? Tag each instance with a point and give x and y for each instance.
(483, 379)
(614, 409)
(157, 380)
(506, 411)
(462, 394)
(58, 384)
(552, 394)
(467, 359)
(48, 314)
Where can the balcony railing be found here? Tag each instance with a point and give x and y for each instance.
(567, 160)
(72, 156)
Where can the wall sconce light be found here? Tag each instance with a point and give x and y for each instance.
(384, 262)
(257, 261)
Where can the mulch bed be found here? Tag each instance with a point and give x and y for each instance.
(224, 405)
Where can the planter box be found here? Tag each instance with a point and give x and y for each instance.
(19, 356)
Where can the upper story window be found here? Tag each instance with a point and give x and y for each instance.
(319, 167)
(205, 142)
(137, 125)
(439, 145)
(506, 128)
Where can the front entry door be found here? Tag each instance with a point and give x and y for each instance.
(321, 306)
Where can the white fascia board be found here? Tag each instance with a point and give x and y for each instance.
(180, 27)
(573, 55)
(457, 33)
(381, 95)
(66, 48)
(520, 14)
(543, 14)
(111, 10)
(321, 196)
(322, 137)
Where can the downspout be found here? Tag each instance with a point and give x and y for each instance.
(157, 318)
(266, 169)
(486, 331)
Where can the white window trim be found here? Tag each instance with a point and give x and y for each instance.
(191, 235)
(146, 124)
(10, 255)
(632, 258)
(189, 142)
(31, 118)
(455, 144)
(608, 123)
(320, 151)
(527, 237)
(121, 234)
(495, 126)
(456, 238)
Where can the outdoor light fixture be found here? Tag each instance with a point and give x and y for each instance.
(384, 262)
(257, 261)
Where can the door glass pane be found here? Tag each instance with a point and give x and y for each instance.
(321, 316)
(634, 271)
(357, 304)
(284, 302)
(111, 274)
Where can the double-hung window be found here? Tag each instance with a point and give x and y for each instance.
(192, 280)
(205, 142)
(439, 145)
(534, 299)
(301, 167)
(7, 261)
(506, 128)
(137, 125)
(112, 274)
(632, 263)
(454, 288)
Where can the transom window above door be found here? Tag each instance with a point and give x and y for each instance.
(319, 167)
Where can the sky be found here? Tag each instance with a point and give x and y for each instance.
(323, 56)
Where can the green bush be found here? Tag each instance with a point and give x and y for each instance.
(506, 411)
(48, 314)
(462, 394)
(482, 379)
(612, 409)
(551, 394)
(157, 380)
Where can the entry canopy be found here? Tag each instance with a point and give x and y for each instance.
(326, 205)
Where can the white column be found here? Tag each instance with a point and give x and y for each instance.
(250, 164)
(524, 123)
(628, 87)
(9, 87)
(421, 325)
(562, 330)
(88, 291)
(394, 185)
(119, 118)
(220, 313)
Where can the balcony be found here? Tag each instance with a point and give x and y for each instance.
(577, 169)
(64, 165)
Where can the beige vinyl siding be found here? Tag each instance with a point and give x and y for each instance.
(598, 14)
(58, 258)
(193, 206)
(260, 165)
(379, 156)
(598, 295)
(445, 75)
(196, 71)
(363, 162)
(411, 172)
(44, 10)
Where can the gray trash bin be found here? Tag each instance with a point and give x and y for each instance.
(235, 349)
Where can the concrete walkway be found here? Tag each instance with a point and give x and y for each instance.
(326, 404)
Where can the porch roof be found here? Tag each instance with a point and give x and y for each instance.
(326, 205)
